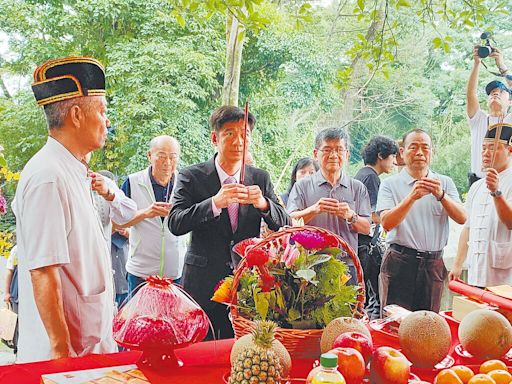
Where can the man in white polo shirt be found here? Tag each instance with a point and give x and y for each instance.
(414, 207)
(65, 271)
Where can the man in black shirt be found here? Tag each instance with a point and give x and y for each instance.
(379, 156)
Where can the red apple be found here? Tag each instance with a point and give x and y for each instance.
(350, 364)
(389, 366)
(357, 341)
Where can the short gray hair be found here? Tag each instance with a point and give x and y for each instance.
(56, 112)
(331, 134)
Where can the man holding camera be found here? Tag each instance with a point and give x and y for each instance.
(498, 102)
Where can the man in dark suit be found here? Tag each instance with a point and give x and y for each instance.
(210, 202)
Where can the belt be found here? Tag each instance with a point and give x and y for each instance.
(416, 253)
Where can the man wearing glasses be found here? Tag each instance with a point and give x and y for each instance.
(153, 248)
(331, 199)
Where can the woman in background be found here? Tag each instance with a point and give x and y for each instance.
(304, 167)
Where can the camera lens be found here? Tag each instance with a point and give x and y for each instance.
(484, 51)
(485, 35)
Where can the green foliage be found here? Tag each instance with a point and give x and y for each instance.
(165, 68)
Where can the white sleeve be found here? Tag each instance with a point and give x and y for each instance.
(478, 121)
(44, 223)
(385, 198)
(122, 208)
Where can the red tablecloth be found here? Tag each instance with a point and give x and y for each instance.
(204, 362)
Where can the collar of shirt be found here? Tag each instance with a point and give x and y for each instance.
(56, 146)
(405, 176)
(166, 190)
(223, 175)
(319, 179)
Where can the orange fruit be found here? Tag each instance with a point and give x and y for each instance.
(464, 373)
(481, 378)
(491, 365)
(501, 376)
(447, 376)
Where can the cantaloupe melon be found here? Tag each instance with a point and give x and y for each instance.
(284, 357)
(485, 334)
(338, 326)
(425, 338)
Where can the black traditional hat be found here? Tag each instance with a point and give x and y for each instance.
(501, 133)
(67, 78)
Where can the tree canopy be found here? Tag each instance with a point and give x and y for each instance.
(379, 67)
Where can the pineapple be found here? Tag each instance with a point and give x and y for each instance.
(258, 363)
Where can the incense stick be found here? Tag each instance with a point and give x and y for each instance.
(496, 142)
(246, 120)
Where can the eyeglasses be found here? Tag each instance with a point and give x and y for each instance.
(330, 151)
(164, 156)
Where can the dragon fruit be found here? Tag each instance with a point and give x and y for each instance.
(150, 332)
(160, 317)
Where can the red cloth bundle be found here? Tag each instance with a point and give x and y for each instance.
(480, 295)
(161, 316)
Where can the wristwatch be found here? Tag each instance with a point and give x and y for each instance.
(498, 193)
(353, 219)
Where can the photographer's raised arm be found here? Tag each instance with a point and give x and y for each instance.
(472, 104)
(500, 63)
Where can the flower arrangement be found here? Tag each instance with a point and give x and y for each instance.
(296, 281)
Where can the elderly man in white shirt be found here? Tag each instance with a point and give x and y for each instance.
(486, 239)
(65, 271)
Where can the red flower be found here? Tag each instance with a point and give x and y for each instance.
(267, 282)
(256, 257)
(3, 205)
(242, 246)
(313, 240)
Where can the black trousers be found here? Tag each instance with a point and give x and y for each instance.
(371, 270)
(412, 282)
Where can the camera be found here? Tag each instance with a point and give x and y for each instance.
(487, 49)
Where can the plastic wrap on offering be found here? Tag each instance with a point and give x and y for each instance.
(160, 317)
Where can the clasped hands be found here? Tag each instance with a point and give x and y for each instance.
(241, 194)
(425, 186)
(333, 207)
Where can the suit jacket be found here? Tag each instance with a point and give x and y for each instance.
(208, 259)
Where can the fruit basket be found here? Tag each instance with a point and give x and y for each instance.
(301, 343)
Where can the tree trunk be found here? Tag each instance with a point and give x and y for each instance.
(358, 65)
(235, 33)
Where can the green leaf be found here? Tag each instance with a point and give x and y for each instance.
(360, 4)
(317, 259)
(306, 274)
(181, 20)
(279, 298)
(3, 163)
(261, 303)
(293, 314)
(403, 3)
(437, 41)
